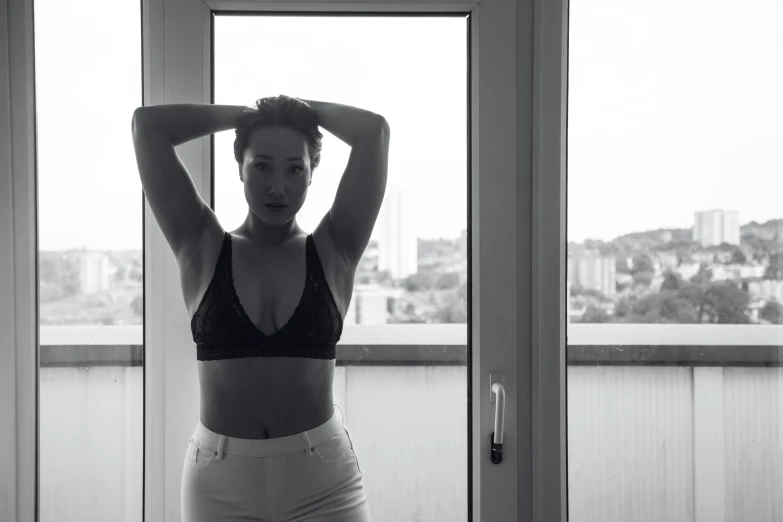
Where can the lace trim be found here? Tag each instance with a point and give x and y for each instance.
(235, 351)
(222, 329)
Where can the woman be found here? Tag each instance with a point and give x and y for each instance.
(267, 303)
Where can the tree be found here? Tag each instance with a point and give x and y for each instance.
(447, 280)
(671, 281)
(703, 276)
(643, 278)
(660, 307)
(772, 312)
(720, 302)
(452, 310)
(120, 274)
(727, 303)
(384, 278)
(593, 314)
(595, 294)
(642, 263)
(419, 281)
(738, 257)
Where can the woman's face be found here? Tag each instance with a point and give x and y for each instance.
(276, 169)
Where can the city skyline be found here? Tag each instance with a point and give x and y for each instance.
(382, 225)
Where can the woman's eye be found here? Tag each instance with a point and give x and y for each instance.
(299, 169)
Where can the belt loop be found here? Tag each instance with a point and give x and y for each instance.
(309, 448)
(221, 447)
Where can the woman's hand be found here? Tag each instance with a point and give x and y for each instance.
(250, 114)
(312, 105)
(350, 124)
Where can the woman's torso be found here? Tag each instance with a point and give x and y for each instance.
(266, 397)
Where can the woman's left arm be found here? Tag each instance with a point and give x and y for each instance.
(350, 124)
(362, 186)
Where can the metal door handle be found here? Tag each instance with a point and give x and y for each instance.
(496, 439)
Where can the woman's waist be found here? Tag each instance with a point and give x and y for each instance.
(237, 413)
(266, 440)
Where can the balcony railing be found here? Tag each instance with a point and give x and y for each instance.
(444, 344)
(675, 344)
(376, 345)
(664, 422)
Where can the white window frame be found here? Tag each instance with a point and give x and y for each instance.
(548, 278)
(18, 277)
(519, 55)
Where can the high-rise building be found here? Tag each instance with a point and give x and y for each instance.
(766, 289)
(398, 250)
(714, 227)
(370, 304)
(94, 272)
(590, 270)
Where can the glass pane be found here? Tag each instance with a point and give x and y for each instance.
(88, 82)
(413, 71)
(675, 281)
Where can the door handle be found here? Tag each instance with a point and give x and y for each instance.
(498, 396)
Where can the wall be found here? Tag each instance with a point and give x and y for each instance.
(646, 443)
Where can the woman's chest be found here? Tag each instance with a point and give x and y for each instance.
(269, 285)
(272, 288)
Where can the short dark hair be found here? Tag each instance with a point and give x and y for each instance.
(284, 111)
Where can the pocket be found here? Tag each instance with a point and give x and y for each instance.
(198, 456)
(335, 447)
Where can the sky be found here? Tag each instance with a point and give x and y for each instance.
(417, 82)
(674, 107)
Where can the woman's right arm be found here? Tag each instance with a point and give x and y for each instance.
(182, 215)
(181, 122)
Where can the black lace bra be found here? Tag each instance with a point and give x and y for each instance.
(222, 330)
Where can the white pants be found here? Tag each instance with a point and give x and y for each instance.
(313, 476)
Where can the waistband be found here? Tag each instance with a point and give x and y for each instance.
(304, 441)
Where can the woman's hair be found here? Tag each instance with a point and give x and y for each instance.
(285, 111)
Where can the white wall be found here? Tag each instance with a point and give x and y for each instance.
(642, 446)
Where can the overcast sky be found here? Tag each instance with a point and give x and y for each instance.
(674, 107)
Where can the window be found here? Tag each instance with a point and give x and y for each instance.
(415, 268)
(675, 229)
(88, 82)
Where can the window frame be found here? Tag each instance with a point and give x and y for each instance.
(548, 281)
(18, 289)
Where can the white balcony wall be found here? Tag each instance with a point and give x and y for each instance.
(646, 443)
(753, 420)
(630, 435)
(423, 418)
(91, 432)
(630, 444)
